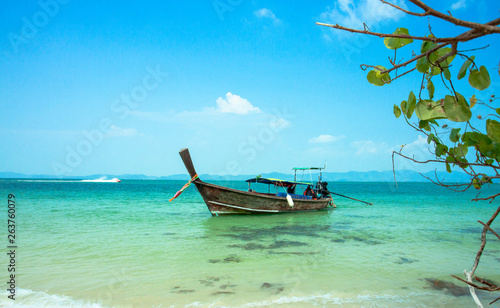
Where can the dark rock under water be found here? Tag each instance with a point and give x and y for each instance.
(275, 245)
(250, 234)
(300, 253)
(361, 239)
(281, 244)
(273, 287)
(403, 260)
(447, 286)
(183, 291)
(230, 259)
(249, 246)
(338, 240)
(223, 292)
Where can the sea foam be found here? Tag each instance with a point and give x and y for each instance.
(35, 299)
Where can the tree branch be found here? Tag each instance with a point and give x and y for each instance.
(466, 36)
(383, 35)
(477, 30)
(483, 241)
(426, 13)
(488, 198)
(486, 28)
(489, 228)
(475, 285)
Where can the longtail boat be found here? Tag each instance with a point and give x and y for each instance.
(223, 200)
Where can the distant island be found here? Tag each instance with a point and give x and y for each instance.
(352, 176)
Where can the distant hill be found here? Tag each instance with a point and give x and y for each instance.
(352, 176)
(401, 176)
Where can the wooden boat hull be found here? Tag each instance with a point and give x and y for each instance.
(223, 200)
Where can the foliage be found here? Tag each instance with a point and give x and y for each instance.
(446, 120)
(458, 134)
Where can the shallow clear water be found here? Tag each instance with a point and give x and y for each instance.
(124, 245)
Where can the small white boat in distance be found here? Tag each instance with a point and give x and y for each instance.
(113, 180)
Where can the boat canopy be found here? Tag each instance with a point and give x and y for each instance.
(276, 182)
(309, 168)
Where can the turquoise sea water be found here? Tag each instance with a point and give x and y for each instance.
(124, 245)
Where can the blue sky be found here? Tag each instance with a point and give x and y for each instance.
(248, 86)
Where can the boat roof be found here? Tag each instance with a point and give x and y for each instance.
(276, 182)
(309, 168)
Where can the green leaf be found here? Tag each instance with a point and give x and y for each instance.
(403, 106)
(441, 150)
(378, 79)
(451, 159)
(436, 56)
(480, 79)
(454, 135)
(465, 66)
(424, 125)
(434, 122)
(476, 184)
(422, 65)
(447, 73)
(473, 101)
(485, 179)
(434, 69)
(426, 46)
(464, 148)
(463, 163)
(430, 138)
(498, 110)
(428, 110)
(395, 42)
(397, 111)
(495, 153)
(443, 52)
(410, 105)
(460, 151)
(493, 130)
(457, 110)
(484, 145)
(471, 139)
(430, 89)
(378, 69)
(448, 168)
(373, 79)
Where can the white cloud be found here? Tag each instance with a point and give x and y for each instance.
(460, 4)
(353, 14)
(279, 123)
(116, 131)
(418, 149)
(325, 139)
(364, 147)
(267, 13)
(235, 104)
(370, 147)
